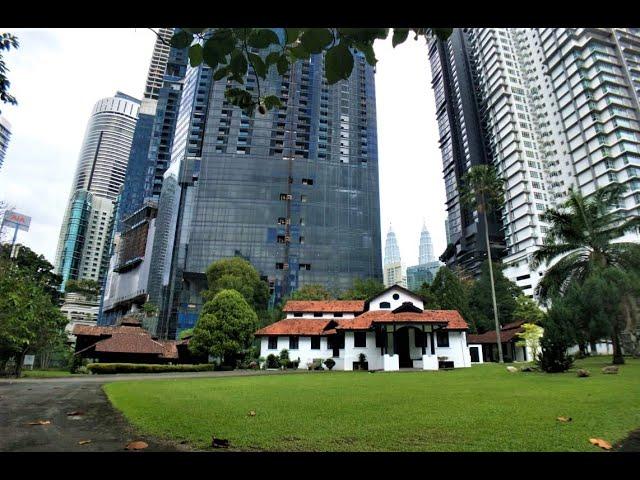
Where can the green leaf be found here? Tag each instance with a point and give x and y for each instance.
(181, 39)
(283, 65)
(399, 36)
(210, 53)
(258, 65)
(442, 33)
(272, 101)
(315, 39)
(272, 58)
(263, 38)
(338, 63)
(299, 53)
(369, 54)
(238, 63)
(292, 34)
(224, 41)
(221, 73)
(367, 35)
(195, 55)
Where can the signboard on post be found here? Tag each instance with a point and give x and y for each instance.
(29, 360)
(16, 220)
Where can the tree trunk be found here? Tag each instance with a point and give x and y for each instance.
(493, 288)
(20, 361)
(618, 359)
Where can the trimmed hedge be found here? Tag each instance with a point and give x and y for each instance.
(106, 368)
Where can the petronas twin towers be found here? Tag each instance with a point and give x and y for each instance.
(394, 269)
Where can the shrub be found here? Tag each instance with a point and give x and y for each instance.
(362, 358)
(75, 362)
(284, 356)
(330, 363)
(317, 364)
(273, 361)
(553, 350)
(109, 368)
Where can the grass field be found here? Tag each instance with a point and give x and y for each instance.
(45, 373)
(483, 408)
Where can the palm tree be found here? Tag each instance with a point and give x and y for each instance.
(581, 239)
(483, 190)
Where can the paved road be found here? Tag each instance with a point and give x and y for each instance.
(27, 400)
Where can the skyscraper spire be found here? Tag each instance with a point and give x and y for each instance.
(391, 249)
(425, 254)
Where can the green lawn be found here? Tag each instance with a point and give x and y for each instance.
(44, 373)
(483, 408)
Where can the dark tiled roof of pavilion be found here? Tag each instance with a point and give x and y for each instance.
(507, 334)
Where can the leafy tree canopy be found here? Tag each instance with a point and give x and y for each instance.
(84, 286)
(363, 289)
(225, 327)
(7, 40)
(527, 310)
(235, 52)
(29, 320)
(34, 266)
(480, 298)
(238, 274)
(450, 294)
(428, 297)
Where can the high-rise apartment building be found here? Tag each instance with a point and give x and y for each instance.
(294, 191)
(393, 268)
(83, 244)
(5, 135)
(558, 111)
(463, 144)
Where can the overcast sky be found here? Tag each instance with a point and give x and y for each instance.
(57, 75)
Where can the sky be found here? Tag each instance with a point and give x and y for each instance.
(57, 75)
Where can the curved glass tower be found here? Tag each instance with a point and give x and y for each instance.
(86, 229)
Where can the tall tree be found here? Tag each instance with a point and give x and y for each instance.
(504, 291)
(225, 327)
(34, 266)
(527, 310)
(483, 190)
(238, 274)
(450, 294)
(428, 297)
(29, 319)
(363, 289)
(583, 237)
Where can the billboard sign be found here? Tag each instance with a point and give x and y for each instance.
(16, 220)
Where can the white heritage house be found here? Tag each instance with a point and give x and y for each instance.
(392, 329)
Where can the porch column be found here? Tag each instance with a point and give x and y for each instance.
(395, 340)
(433, 346)
(424, 341)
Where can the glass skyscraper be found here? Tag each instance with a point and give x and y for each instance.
(294, 191)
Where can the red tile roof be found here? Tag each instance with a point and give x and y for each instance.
(328, 306)
(310, 326)
(452, 318)
(126, 339)
(296, 326)
(507, 334)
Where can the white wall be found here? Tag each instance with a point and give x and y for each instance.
(374, 304)
(304, 351)
(351, 353)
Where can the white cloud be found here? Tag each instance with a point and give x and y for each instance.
(57, 75)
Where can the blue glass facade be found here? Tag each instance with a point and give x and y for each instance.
(295, 191)
(79, 212)
(152, 143)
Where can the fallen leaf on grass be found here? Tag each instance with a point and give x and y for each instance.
(84, 442)
(252, 413)
(139, 445)
(40, 422)
(564, 419)
(600, 443)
